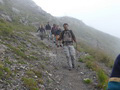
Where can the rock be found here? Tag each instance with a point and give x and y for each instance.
(2, 49)
(15, 10)
(22, 67)
(24, 21)
(42, 87)
(36, 77)
(50, 74)
(82, 73)
(6, 17)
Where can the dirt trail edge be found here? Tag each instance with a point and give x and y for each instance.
(61, 77)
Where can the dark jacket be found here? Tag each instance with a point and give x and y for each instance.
(48, 27)
(53, 31)
(116, 68)
(114, 81)
(58, 32)
(42, 30)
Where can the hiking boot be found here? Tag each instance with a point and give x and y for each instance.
(60, 45)
(70, 69)
(73, 66)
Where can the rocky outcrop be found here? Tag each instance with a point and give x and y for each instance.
(6, 17)
(24, 21)
(15, 10)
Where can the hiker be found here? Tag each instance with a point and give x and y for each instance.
(53, 33)
(68, 38)
(114, 81)
(48, 30)
(41, 31)
(57, 35)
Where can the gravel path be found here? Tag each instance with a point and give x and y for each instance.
(65, 79)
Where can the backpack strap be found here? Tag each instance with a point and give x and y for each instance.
(73, 36)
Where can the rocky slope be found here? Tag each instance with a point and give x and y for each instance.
(27, 63)
(28, 13)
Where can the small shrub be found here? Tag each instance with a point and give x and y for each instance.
(103, 78)
(30, 73)
(1, 66)
(88, 57)
(9, 72)
(89, 65)
(6, 69)
(87, 81)
(1, 73)
(80, 60)
(22, 62)
(38, 74)
(5, 28)
(8, 61)
(32, 57)
(41, 81)
(30, 83)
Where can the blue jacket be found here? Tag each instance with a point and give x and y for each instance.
(116, 68)
(114, 81)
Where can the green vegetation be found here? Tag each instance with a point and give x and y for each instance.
(8, 61)
(22, 62)
(40, 81)
(80, 60)
(6, 28)
(91, 61)
(38, 73)
(30, 73)
(42, 45)
(96, 55)
(30, 83)
(5, 72)
(17, 51)
(103, 79)
(87, 81)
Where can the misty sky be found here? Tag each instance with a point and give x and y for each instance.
(103, 15)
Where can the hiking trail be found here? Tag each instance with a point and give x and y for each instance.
(62, 77)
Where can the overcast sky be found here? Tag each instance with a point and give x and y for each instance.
(103, 15)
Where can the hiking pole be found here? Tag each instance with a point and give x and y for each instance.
(76, 46)
(76, 50)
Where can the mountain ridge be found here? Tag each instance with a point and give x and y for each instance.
(28, 13)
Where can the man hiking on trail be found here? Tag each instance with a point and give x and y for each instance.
(41, 31)
(48, 30)
(67, 37)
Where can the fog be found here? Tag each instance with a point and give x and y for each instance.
(103, 15)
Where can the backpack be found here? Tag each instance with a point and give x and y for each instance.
(67, 36)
